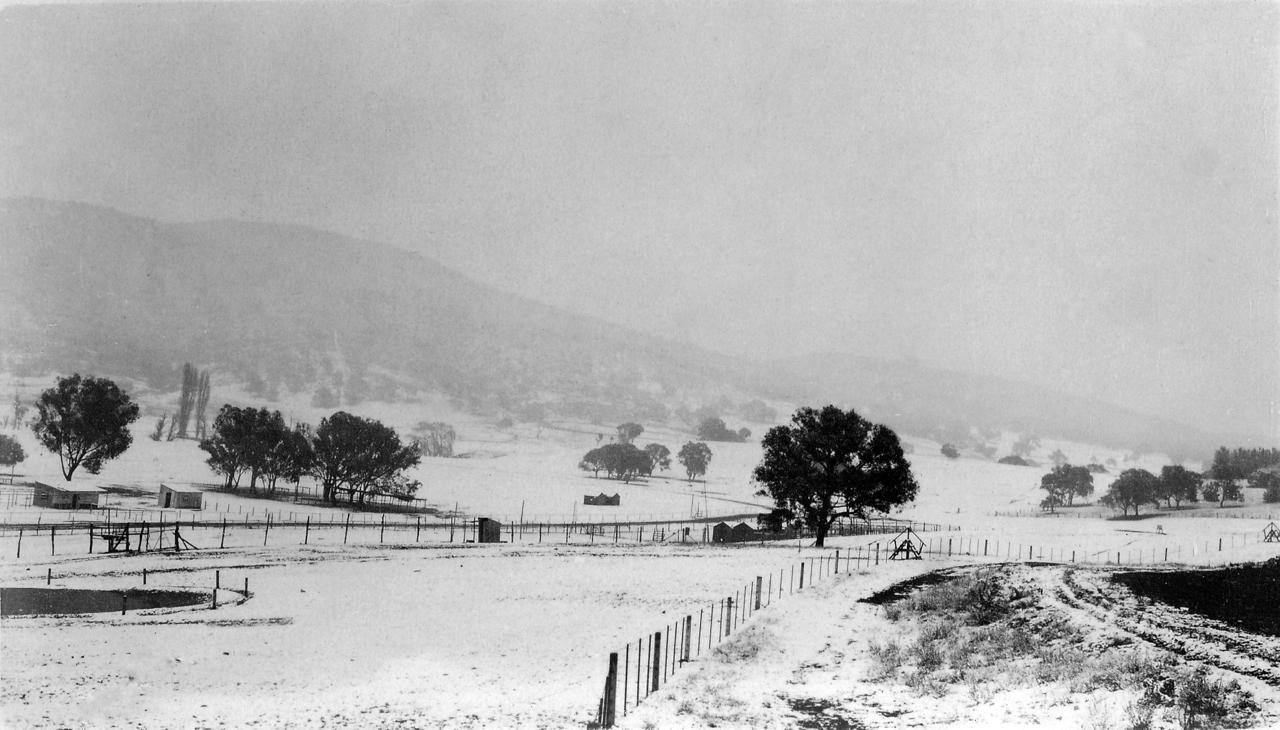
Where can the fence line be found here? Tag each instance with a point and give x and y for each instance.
(724, 616)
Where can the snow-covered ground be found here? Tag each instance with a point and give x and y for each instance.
(436, 634)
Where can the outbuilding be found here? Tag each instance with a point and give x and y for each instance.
(180, 498)
(65, 496)
(488, 530)
(722, 533)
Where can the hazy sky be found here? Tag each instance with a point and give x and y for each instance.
(1079, 195)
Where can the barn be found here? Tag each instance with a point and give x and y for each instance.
(742, 532)
(65, 496)
(180, 498)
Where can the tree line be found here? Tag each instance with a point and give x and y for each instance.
(345, 454)
(1241, 463)
(1136, 487)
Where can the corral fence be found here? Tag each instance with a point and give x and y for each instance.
(122, 531)
(645, 665)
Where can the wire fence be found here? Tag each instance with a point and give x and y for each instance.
(649, 662)
(123, 531)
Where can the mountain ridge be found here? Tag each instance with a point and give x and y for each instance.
(292, 306)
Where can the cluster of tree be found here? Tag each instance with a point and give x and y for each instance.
(85, 421)
(1136, 487)
(624, 461)
(713, 429)
(1266, 480)
(257, 442)
(346, 453)
(833, 464)
(695, 457)
(950, 451)
(1240, 463)
(435, 438)
(362, 456)
(1063, 484)
(11, 453)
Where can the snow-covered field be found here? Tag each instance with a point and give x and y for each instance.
(434, 634)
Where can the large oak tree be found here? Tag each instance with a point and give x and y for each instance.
(832, 463)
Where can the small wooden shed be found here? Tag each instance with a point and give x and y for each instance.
(488, 530)
(65, 496)
(742, 532)
(602, 500)
(180, 498)
(722, 533)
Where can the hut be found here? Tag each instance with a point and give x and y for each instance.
(488, 530)
(742, 532)
(180, 498)
(602, 500)
(65, 496)
(722, 533)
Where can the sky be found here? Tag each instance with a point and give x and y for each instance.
(1078, 195)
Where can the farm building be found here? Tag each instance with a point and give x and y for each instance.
(180, 498)
(722, 533)
(741, 532)
(65, 496)
(488, 530)
(602, 500)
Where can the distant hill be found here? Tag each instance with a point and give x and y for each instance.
(296, 308)
(969, 409)
(289, 308)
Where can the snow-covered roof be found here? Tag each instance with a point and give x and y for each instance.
(72, 488)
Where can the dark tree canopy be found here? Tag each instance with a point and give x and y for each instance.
(695, 456)
(11, 452)
(362, 456)
(1064, 483)
(84, 421)
(713, 429)
(830, 464)
(1178, 483)
(659, 457)
(619, 461)
(1132, 489)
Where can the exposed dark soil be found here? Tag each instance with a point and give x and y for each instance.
(1245, 596)
(54, 601)
(899, 591)
(820, 714)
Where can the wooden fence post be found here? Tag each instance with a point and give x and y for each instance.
(222, 543)
(610, 691)
(19, 542)
(346, 529)
(688, 627)
(383, 531)
(306, 536)
(759, 586)
(802, 575)
(655, 661)
(728, 612)
(417, 533)
(53, 531)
